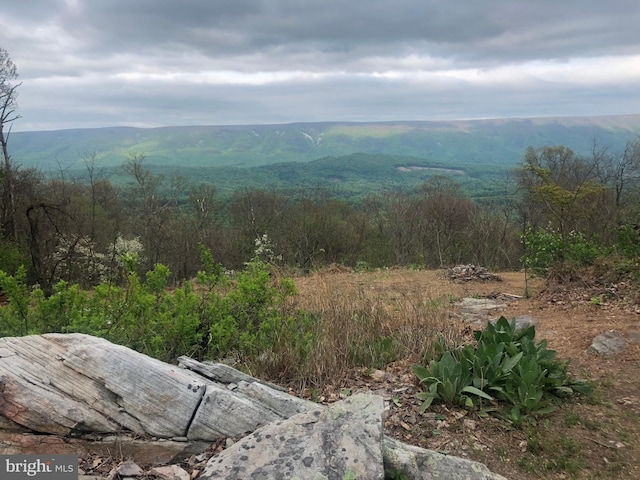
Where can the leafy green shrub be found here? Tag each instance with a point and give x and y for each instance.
(15, 316)
(362, 266)
(12, 256)
(547, 248)
(628, 241)
(449, 380)
(245, 317)
(503, 366)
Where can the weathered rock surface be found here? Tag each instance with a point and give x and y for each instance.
(75, 385)
(79, 394)
(343, 440)
(224, 413)
(480, 311)
(522, 322)
(480, 306)
(608, 343)
(221, 373)
(420, 464)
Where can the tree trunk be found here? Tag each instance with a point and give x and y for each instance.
(8, 200)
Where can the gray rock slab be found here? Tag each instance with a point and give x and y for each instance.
(162, 397)
(341, 441)
(281, 403)
(479, 310)
(68, 385)
(43, 394)
(223, 412)
(219, 372)
(608, 343)
(419, 464)
(522, 322)
(479, 305)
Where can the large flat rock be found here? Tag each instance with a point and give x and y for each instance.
(341, 441)
(419, 464)
(70, 385)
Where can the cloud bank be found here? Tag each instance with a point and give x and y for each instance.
(150, 63)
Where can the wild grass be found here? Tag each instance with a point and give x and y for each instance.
(355, 327)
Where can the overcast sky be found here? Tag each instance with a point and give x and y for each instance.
(93, 63)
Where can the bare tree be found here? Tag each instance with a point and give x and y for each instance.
(8, 105)
(625, 169)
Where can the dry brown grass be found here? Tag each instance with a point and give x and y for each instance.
(366, 320)
(362, 326)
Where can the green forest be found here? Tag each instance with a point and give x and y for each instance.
(78, 230)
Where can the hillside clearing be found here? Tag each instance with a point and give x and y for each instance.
(596, 437)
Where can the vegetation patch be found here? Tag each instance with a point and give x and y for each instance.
(503, 365)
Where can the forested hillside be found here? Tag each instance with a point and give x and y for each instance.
(478, 143)
(347, 160)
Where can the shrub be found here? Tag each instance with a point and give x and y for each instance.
(546, 249)
(242, 318)
(503, 366)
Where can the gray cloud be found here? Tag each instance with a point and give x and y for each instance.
(153, 63)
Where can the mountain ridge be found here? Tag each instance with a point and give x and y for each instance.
(456, 143)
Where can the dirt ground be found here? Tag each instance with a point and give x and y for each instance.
(595, 437)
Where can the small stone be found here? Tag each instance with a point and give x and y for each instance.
(129, 469)
(608, 343)
(469, 424)
(170, 472)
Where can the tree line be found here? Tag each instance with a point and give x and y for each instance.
(62, 229)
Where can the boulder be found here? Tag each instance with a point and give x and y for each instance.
(43, 394)
(74, 385)
(479, 311)
(608, 343)
(419, 464)
(224, 413)
(343, 440)
(522, 322)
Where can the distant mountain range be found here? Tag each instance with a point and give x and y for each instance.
(452, 144)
